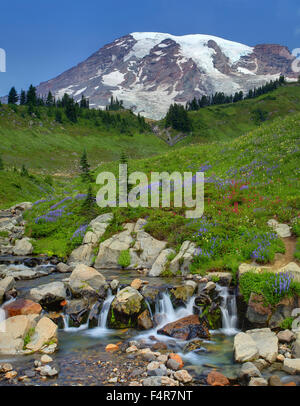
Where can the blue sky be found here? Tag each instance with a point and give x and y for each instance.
(43, 39)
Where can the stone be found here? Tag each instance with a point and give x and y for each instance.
(243, 268)
(6, 368)
(23, 247)
(136, 284)
(128, 301)
(292, 366)
(160, 263)
(153, 365)
(249, 370)
(177, 358)
(85, 280)
(215, 378)
(184, 258)
(7, 284)
(45, 332)
(160, 381)
(245, 348)
(274, 380)
(12, 334)
(286, 336)
(64, 268)
(182, 293)
(144, 320)
(186, 328)
(82, 255)
(257, 313)
(210, 286)
(225, 278)
(131, 349)
(46, 370)
(22, 307)
(51, 294)
(114, 284)
(45, 359)
(258, 382)
(111, 348)
(280, 358)
(11, 374)
(266, 342)
(283, 230)
(183, 376)
(146, 250)
(293, 270)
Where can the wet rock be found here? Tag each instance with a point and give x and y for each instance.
(181, 294)
(159, 346)
(283, 310)
(249, 370)
(86, 281)
(7, 284)
(45, 359)
(111, 348)
(225, 278)
(45, 332)
(215, 378)
(274, 380)
(64, 268)
(292, 366)
(6, 368)
(12, 333)
(46, 370)
(114, 285)
(22, 307)
(136, 284)
(258, 382)
(160, 381)
(125, 308)
(286, 336)
(23, 247)
(175, 358)
(183, 376)
(78, 310)
(186, 328)
(50, 295)
(11, 374)
(144, 320)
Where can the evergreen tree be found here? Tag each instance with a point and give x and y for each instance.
(58, 116)
(85, 168)
(84, 103)
(177, 118)
(49, 100)
(13, 96)
(23, 97)
(31, 96)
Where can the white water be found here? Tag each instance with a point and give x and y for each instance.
(102, 330)
(166, 313)
(2, 311)
(229, 311)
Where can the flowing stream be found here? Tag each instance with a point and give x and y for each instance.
(229, 311)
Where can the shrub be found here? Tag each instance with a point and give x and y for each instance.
(124, 259)
(286, 324)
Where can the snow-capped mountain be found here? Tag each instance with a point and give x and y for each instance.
(149, 71)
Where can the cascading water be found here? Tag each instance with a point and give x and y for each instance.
(2, 311)
(229, 311)
(102, 320)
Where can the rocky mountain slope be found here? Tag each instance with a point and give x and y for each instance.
(149, 71)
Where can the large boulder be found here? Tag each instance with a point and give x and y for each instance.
(266, 342)
(87, 281)
(149, 249)
(6, 284)
(160, 263)
(13, 332)
(111, 249)
(257, 312)
(84, 254)
(283, 310)
(23, 247)
(292, 366)
(282, 230)
(50, 295)
(181, 294)
(22, 307)
(144, 320)
(245, 348)
(184, 258)
(126, 307)
(44, 333)
(186, 328)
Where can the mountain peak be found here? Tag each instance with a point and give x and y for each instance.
(151, 70)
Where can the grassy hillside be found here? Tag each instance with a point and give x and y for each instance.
(232, 120)
(44, 145)
(249, 180)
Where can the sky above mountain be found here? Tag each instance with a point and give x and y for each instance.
(42, 39)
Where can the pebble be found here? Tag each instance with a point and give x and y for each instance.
(11, 374)
(45, 359)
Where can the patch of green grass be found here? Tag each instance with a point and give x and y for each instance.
(297, 250)
(124, 259)
(286, 324)
(263, 284)
(28, 337)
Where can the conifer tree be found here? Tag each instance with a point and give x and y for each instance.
(13, 96)
(23, 97)
(85, 168)
(31, 96)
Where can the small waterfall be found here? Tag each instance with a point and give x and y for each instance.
(149, 308)
(102, 320)
(2, 311)
(229, 311)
